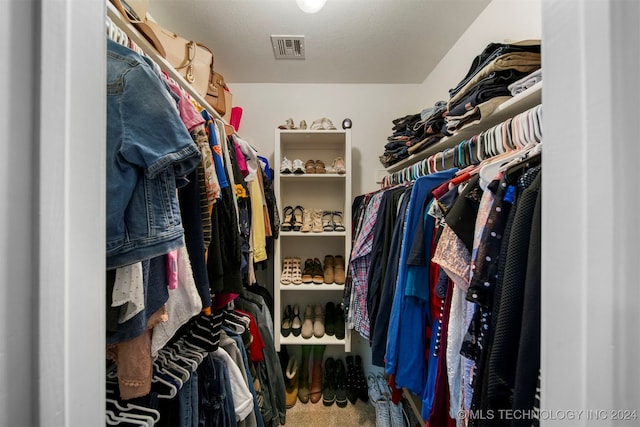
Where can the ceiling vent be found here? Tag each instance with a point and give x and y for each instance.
(288, 47)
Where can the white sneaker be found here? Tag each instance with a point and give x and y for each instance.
(298, 166)
(286, 166)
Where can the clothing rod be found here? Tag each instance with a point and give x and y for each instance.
(164, 65)
(447, 158)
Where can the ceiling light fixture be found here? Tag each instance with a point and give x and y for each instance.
(311, 6)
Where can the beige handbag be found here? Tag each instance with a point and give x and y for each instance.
(194, 61)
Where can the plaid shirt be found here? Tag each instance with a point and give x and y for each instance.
(359, 264)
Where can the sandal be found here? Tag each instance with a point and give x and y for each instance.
(285, 276)
(337, 223)
(310, 166)
(297, 221)
(327, 221)
(307, 221)
(287, 222)
(287, 125)
(316, 221)
(296, 274)
(320, 167)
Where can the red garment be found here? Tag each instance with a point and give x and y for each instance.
(219, 301)
(439, 416)
(257, 342)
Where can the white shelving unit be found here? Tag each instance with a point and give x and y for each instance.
(519, 103)
(328, 192)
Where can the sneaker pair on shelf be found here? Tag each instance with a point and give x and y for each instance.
(288, 167)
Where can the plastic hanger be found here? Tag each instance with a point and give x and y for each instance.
(168, 388)
(126, 409)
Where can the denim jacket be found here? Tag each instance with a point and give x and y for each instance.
(149, 153)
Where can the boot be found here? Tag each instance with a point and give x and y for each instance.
(315, 392)
(329, 388)
(352, 386)
(361, 381)
(303, 382)
(291, 388)
(341, 386)
(339, 270)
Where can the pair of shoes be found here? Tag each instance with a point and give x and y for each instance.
(291, 321)
(334, 269)
(356, 382)
(314, 166)
(332, 221)
(337, 166)
(380, 401)
(311, 221)
(292, 218)
(291, 271)
(396, 414)
(289, 125)
(291, 380)
(322, 124)
(288, 167)
(312, 272)
(313, 324)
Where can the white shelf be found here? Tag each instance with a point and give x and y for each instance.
(291, 177)
(312, 234)
(312, 287)
(328, 192)
(327, 340)
(519, 103)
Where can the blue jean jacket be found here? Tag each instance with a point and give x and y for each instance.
(149, 152)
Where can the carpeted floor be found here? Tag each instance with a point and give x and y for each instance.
(316, 414)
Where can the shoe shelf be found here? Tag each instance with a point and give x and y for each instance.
(312, 234)
(299, 340)
(324, 192)
(321, 176)
(324, 287)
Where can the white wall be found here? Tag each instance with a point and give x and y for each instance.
(370, 107)
(501, 20)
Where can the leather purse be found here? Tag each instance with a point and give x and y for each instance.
(216, 93)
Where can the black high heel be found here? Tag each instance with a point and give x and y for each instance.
(287, 319)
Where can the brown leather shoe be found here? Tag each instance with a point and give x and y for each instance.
(328, 269)
(318, 274)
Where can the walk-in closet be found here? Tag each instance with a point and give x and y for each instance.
(424, 216)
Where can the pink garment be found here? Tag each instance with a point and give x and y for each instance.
(188, 113)
(242, 162)
(172, 269)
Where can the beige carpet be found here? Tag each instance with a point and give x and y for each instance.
(316, 414)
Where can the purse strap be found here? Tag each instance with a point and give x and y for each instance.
(139, 22)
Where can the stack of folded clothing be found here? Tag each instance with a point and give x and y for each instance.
(414, 132)
(486, 85)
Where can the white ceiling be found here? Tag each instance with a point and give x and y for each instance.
(348, 41)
